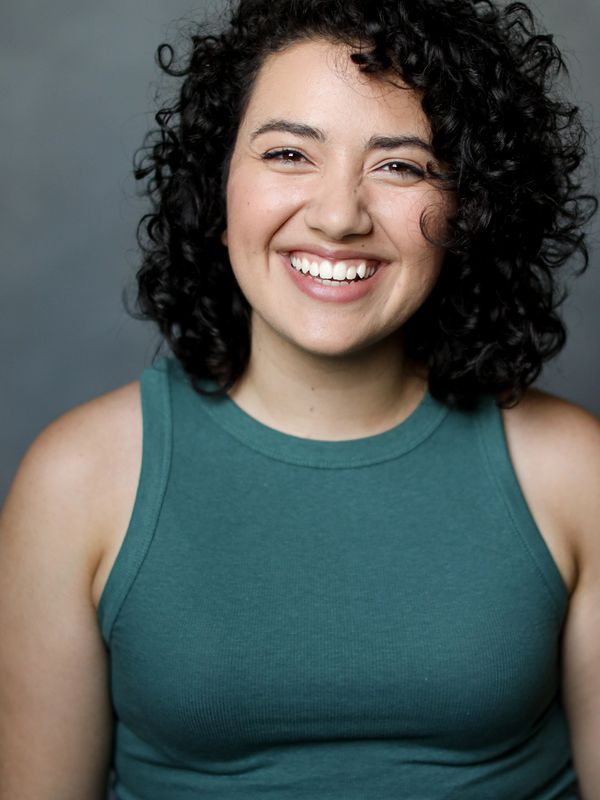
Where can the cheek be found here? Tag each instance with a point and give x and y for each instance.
(441, 206)
(257, 205)
(428, 214)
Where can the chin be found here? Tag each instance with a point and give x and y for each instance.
(332, 347)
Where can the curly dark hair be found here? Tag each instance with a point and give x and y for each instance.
(487, 81)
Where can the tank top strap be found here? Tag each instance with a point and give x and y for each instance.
(155, 466)
(492, 435)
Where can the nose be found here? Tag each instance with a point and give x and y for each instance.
(337, 206)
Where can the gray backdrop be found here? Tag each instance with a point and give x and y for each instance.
(77, 82)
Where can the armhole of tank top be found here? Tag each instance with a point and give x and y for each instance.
(154, 472)
(502, 473)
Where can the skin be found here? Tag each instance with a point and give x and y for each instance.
(321, 369)
(69, 507)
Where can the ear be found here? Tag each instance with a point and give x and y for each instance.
(224, 237)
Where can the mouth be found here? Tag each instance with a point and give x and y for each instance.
(342, 272)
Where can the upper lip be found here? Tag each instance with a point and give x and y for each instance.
(334, 255)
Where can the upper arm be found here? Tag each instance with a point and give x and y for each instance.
(581, 638)
(555, 447)
(55, 712)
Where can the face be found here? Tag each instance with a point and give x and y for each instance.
(325, 194)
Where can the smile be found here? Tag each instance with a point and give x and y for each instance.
(332, 272)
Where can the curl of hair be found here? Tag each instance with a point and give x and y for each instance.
(511, 146)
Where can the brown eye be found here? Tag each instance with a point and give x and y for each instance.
(286, 156)
(403, 169)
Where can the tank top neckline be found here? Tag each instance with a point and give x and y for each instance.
(327, 454)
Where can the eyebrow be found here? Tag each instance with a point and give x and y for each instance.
(391, 142)
(284, 126)
(308, 132)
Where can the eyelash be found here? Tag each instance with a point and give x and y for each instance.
(419, 173)
(273, 155)
(276, 154)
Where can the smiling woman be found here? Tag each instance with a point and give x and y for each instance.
(336, 217)
(335, 546)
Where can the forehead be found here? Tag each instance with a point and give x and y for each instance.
(315, 82)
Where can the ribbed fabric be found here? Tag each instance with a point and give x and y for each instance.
(374, 619)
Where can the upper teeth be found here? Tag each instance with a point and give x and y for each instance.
(338, 271)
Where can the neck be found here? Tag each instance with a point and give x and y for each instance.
(328, 397)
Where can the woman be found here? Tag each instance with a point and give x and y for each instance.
(358, 557)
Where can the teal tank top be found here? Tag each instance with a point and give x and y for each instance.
(369, 619)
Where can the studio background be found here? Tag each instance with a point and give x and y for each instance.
(78, 83)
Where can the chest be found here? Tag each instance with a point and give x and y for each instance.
(301, 610)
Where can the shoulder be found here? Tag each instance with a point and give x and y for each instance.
(77, 481)
(71, 491)
(556, 444)
(81, 449)
(561, 439)
(555, 448)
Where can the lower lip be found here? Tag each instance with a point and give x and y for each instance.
(344, 293)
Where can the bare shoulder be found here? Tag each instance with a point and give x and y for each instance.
(81, 473)
(555, 448)
(116, 413)
(71, 494)
(555, 445)
(561, 438)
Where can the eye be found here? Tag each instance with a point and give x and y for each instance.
(285, 155)
(403, 170)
